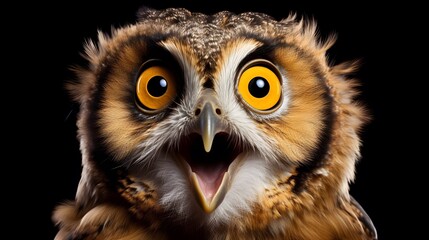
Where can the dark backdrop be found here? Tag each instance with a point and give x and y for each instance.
(365, 31)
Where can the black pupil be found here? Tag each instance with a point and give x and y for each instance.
(157, 86)
(259, 87)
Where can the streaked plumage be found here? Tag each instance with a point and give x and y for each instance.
(216, 126)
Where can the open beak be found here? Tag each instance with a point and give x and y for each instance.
(207, 154)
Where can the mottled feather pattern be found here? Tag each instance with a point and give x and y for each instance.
(289, 168)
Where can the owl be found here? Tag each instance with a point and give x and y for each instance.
(222, 126)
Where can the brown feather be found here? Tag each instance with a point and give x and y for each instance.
(315, 140)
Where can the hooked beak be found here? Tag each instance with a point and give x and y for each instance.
(207, 154)
(209, 126)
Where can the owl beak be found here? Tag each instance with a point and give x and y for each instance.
(206, 154)
(209, 171)
(209, 126)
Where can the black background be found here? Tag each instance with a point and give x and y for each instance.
(375, 34)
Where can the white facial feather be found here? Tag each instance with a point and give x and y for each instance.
(242, 124)
(176, 195)
(167, 132)
(248, 182)
(175, 191)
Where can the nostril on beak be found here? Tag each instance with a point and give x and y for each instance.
(198, 111)
(209, 123)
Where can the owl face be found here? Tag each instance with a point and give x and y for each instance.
(211, 110)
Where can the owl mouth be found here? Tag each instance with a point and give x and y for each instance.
(208, 171)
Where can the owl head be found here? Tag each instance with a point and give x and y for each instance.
(214, 118)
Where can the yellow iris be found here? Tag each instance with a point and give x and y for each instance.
(260, 87)
(156, 88)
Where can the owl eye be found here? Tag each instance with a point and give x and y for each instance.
(156, 87)
(259, 86)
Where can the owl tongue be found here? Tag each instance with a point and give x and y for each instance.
(209, 178)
